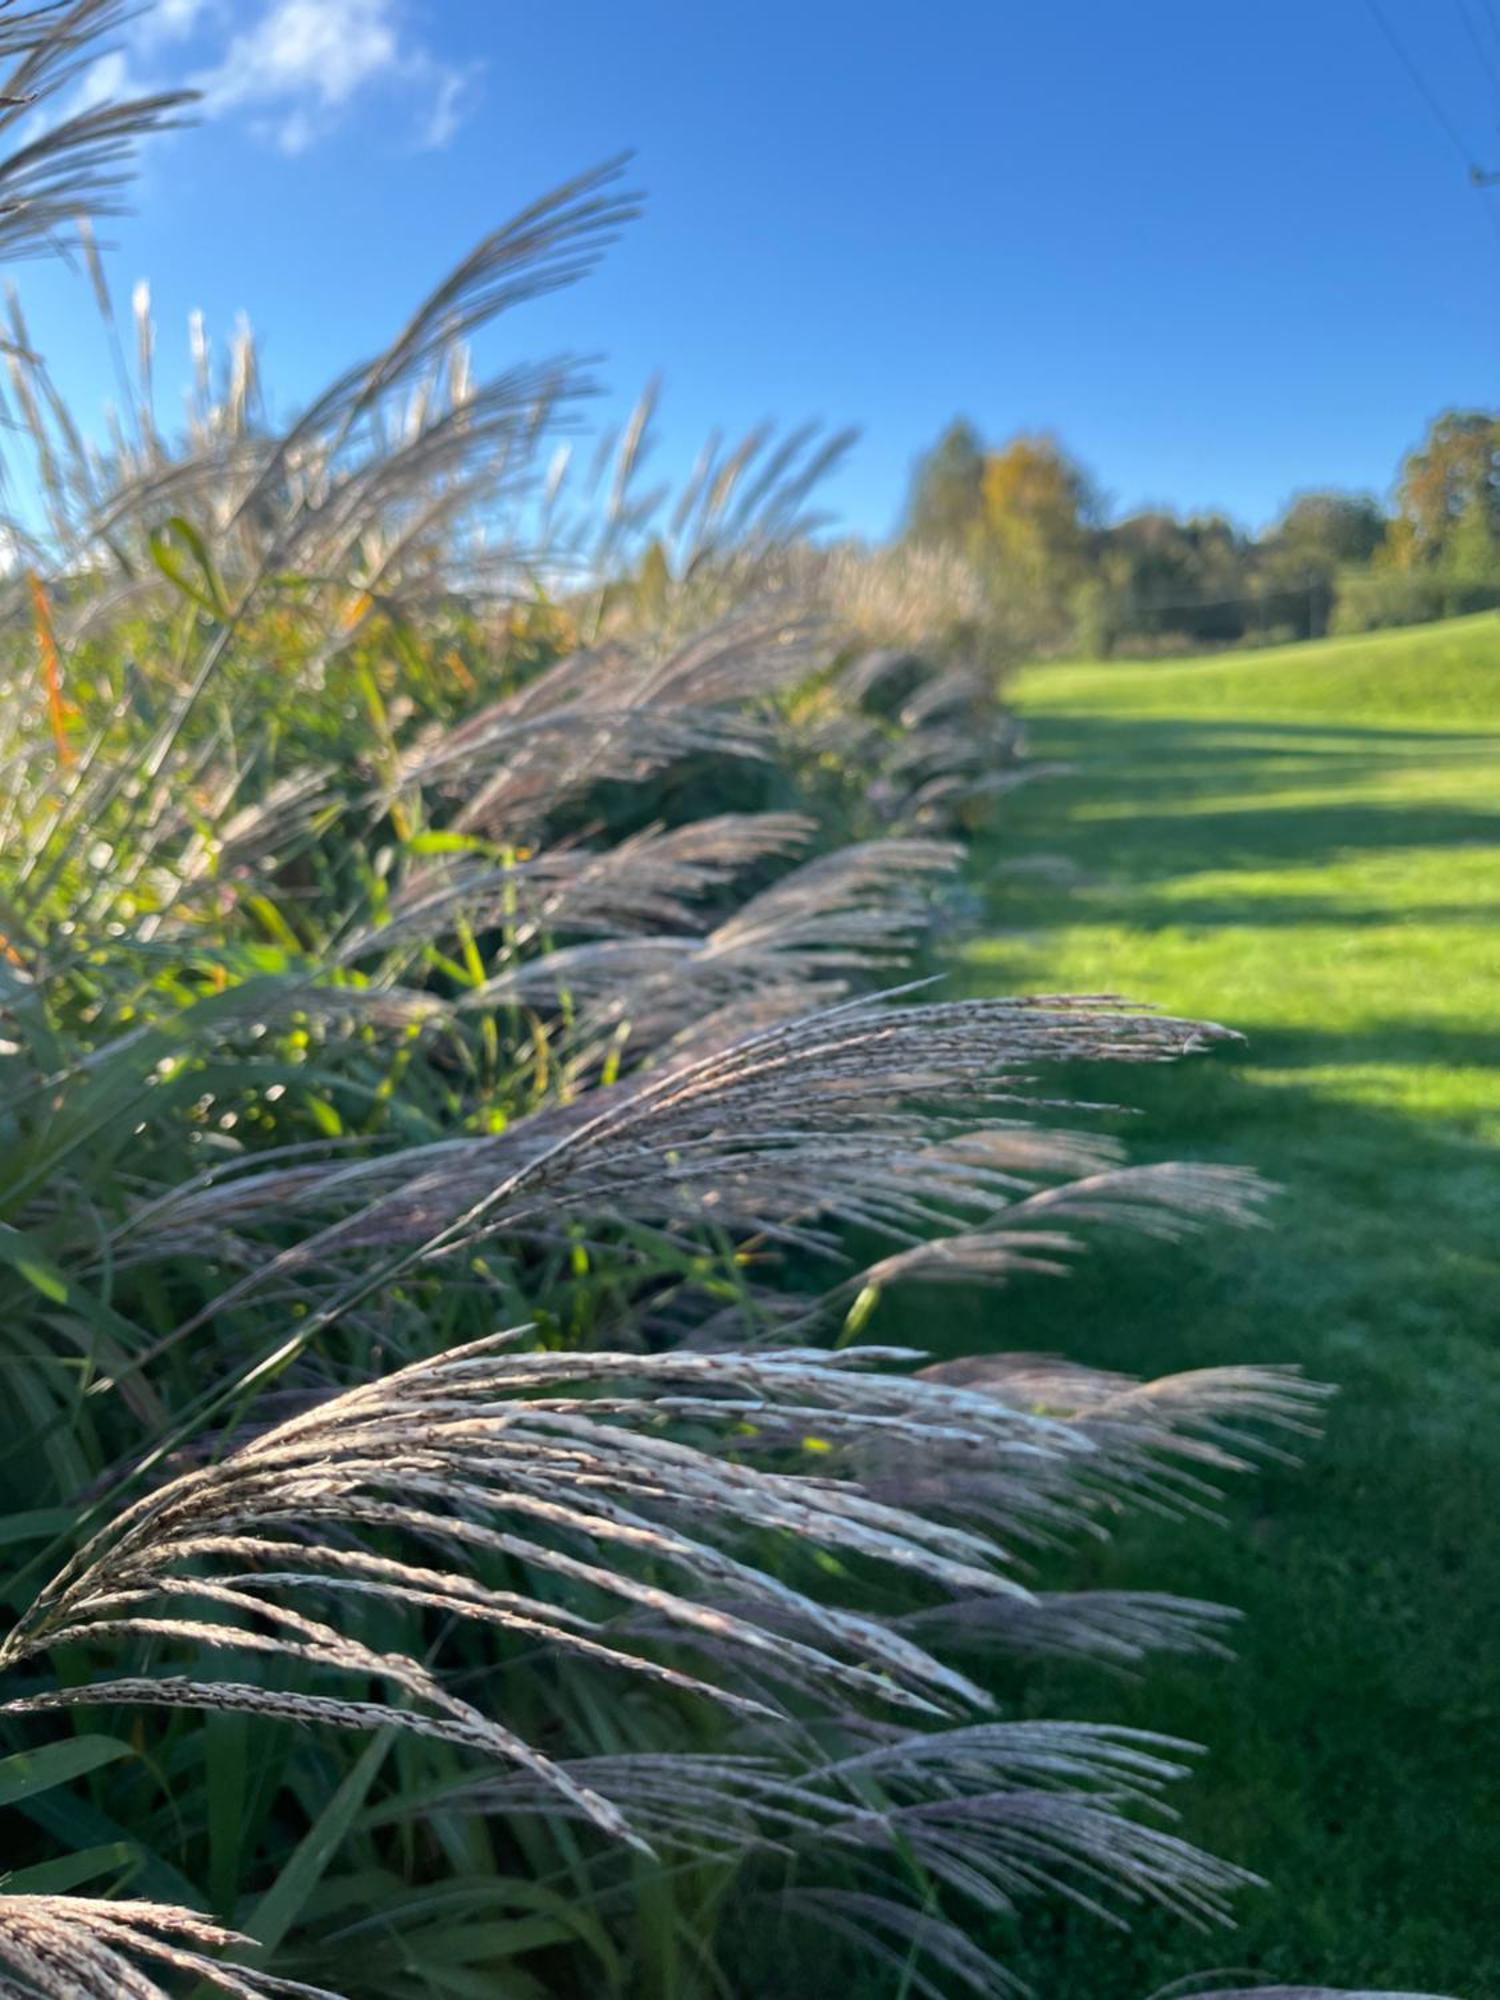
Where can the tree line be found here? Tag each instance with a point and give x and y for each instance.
(1060, 574)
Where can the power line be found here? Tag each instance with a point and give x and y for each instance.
(1479, 48)
(1477, 176)
(1420, 84)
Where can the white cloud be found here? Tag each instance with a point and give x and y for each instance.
(452, 95)
(171, 20)
(106, 80)
(301, 64)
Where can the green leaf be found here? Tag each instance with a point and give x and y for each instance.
(78, 1825)
(448, 843)
(281, 1905)
(461, 1984)
(31, 1771)
(24, 1258)
(114, 1338)
(225, 1767)
(205, 589)
(324, 1116)
(70, 1871)
(484, 1943)
(274, 923)
(35, 1526)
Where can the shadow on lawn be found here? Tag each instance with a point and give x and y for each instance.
(1349, 1745)
(1185, 759)
(1256, 912)
(1432, 1044)
(1137, 780)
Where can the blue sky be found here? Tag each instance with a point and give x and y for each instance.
(1224, 251)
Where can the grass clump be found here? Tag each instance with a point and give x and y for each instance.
(373, 978)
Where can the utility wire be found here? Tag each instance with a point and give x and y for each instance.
(1486, 63)
(1420, 85)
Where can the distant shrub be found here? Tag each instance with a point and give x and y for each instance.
(1371, 599)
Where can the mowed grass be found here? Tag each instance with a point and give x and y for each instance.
(1304, 844)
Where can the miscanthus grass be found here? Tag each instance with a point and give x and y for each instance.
(445, 887)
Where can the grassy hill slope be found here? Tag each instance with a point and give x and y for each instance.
(1305, 844)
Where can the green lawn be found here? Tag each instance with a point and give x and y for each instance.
(1304, 844)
